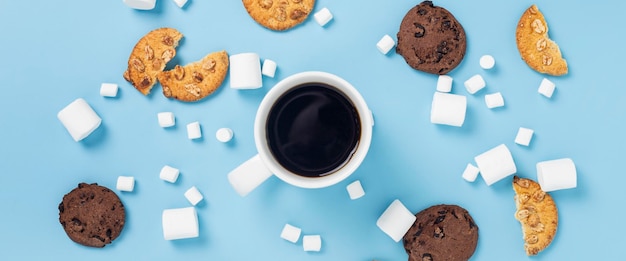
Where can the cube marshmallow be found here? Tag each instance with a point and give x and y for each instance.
(290, 233)
(355, 190)
(269, 68)
(245, 71)
(448, 109)
(180, 223)
(396, 220)
(524, 135)
(475, 84)
(385, 44)
(444, 83)
(194, 131)
(323, 16)
(224, 134)
(494, 100)
(496, 164)
(180, 3)
(470, 173)
(125, 183)
(79, 119)
(487, 62)
(108, 89)
(312, 243)
(166, 119)
(546, 88)
(193, 195)
(556, 174)
(169, 174)
(141, 4)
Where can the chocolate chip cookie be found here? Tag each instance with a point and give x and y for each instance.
(92, 215)
(279, 15)
(431, 39)
(442, 232)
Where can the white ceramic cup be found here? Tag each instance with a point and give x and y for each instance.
(260, 167)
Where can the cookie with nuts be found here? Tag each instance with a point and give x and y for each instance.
(279, 15)
(535, 47)
(149, 57)
(195, 80)
(537, 213)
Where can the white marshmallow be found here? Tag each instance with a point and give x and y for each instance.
(193, 130)
(444, 83)
(355, 190)
(312, 243)
(193, 195)
(323, 16)
(494, 100)
(475, 84)
(269, 68)
(141, 4)
(487, 62)
(125, 183)
(546, 88)
(108, 89)
(396, 220)
(245, 71)
(556, 174)
(79, 119)
(496, 164)
(385, 44)
(224, 134)
(448, 109)
(470, 173)
(524, 135)
(169, 174)
(290, 233)
(180, 223)
(180, 3)
(166, 119)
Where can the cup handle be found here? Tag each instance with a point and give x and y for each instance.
(249, 175)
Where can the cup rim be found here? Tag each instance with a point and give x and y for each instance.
(276, 92)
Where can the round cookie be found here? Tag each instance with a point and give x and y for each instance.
(92, 215)
(441, 232)
(279, 15)
(431, 39)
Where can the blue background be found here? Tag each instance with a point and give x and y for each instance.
(56, 51)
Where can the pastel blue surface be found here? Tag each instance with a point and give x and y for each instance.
(57, 51)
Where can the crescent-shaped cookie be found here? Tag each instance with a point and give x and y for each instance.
(279, 15)
(537, 213)
(536, 48)
(196, 80)
(149, 57)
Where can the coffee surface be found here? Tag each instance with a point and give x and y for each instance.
(313, 129)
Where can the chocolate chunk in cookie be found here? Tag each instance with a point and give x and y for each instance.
(431, 39)
(442, 232)
(92, 215)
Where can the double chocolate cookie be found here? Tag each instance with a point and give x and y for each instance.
(441, 232)
(92, 215)
(431, 39)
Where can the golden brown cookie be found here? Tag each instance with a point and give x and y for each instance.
(536, 48)
(279, 14)
(149, 57)
(537, 213)
(196, 80)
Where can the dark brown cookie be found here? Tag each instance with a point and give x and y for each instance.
(442, 232)
(92, 215)
(431, 39)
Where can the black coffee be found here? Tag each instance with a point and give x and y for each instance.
(313, 129)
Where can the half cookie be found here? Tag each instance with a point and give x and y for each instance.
(279, 14)
(536, 48)
(537, 213)
(196, 80)
(149, 57)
